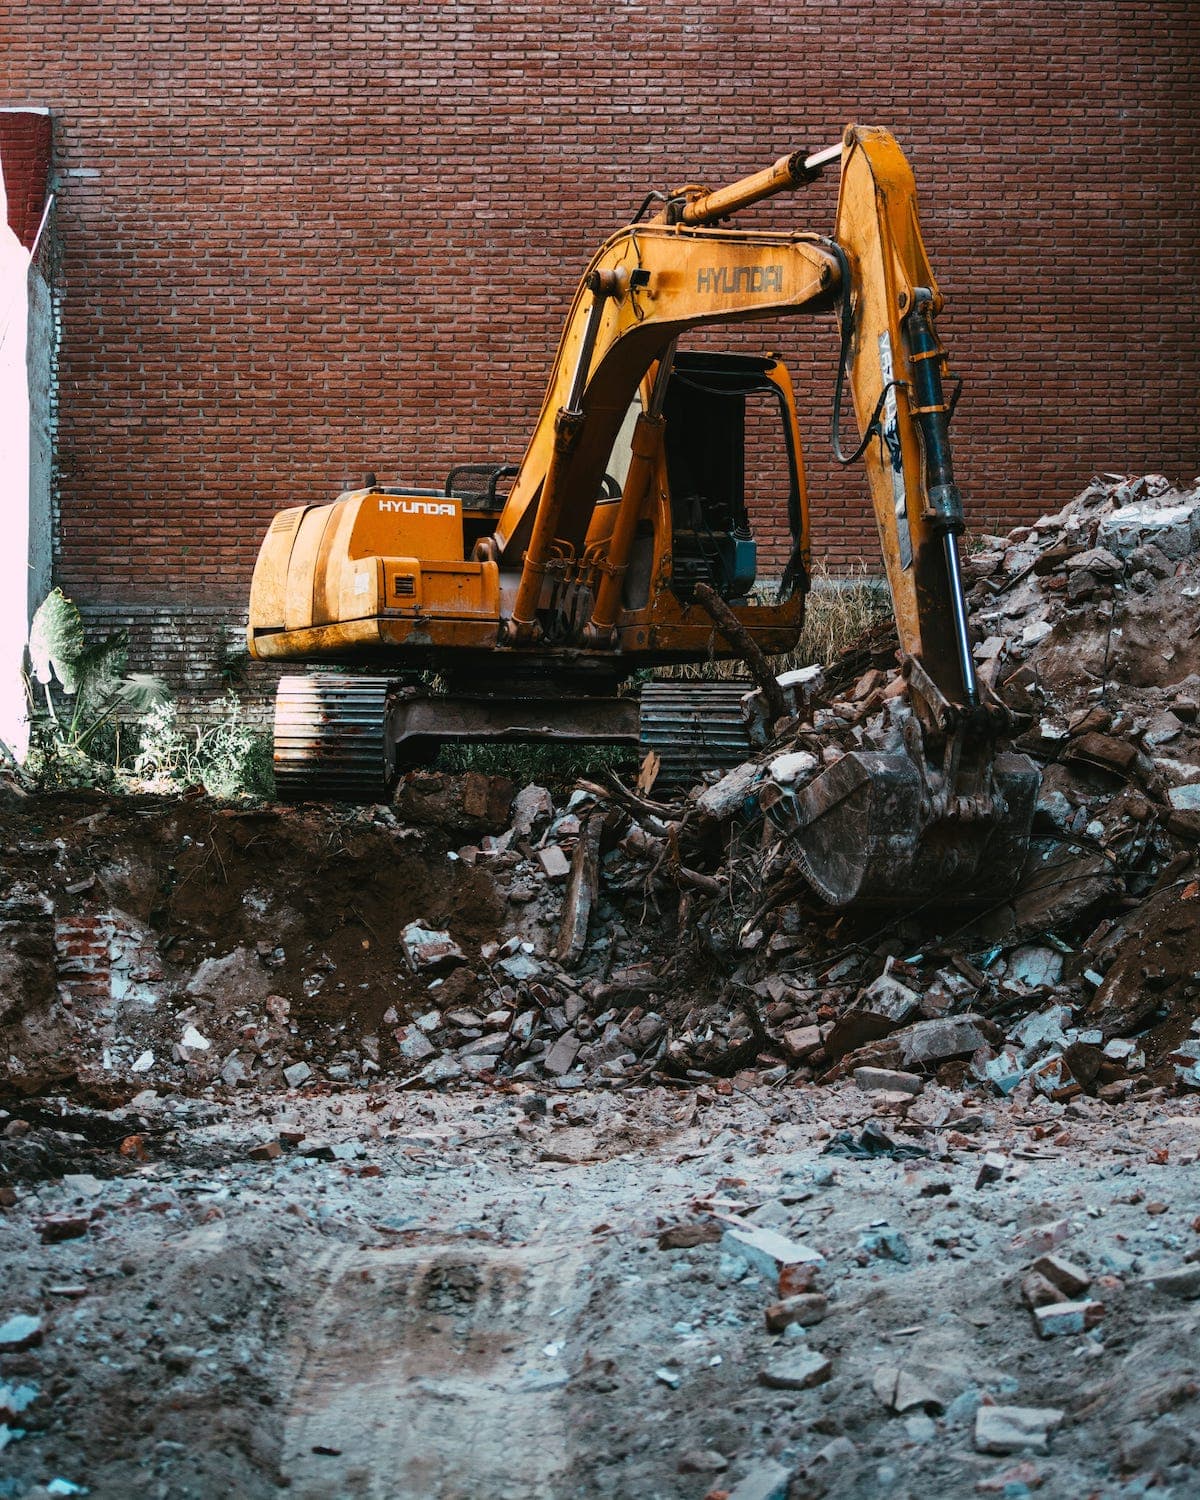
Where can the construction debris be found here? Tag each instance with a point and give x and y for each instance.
(903, 1167)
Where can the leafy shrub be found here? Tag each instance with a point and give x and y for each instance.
(228, 758)
(84, 690)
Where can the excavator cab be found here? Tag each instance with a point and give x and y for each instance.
(732, 456)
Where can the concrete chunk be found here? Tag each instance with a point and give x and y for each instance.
(765, 1481)
(773, 1255)
(887, 997)
(1181, 1281)
(429, 949)
(1061, 1319)
(797, 1372)
(561, 1057)
(869, 1079)
(21, 1331)
(946, 1037)
(555, 864)
(1015, 1429)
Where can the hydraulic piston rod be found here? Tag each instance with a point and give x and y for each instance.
(931, 412)
(788, 172)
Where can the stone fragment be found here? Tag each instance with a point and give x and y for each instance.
(1098, 561)
(440, 1070)
(802, 1041)
(728, 795)
(532, 809)
(1016, 1429)
(1016, 1480)
(702, 1461)
(943, 1038)
(1060, 1319)
(1035, 966)
(430, 950)
(14, 1399)
(765, 1481)
(82, 1184)
(193, 1040)
(1039, 1239)
(519, 966)
(236, 978)
(555, 864)
(797, 1372)
(903, 1390)
(412, 1043)
(792, 767)
(20, 1332)
(315, 1150)
(1173, 529)
(868, 1079)
(54, 1228)
(491, 1043)
(773, 1255)
(991, 1169)
(1180, 1281)
(887, 997)
(806, 1308)
(561, 1057)
(296, 1074)
(886, 1244)
(686, 1236)
(581, 894)
(1035, 632)
(1155, 1446)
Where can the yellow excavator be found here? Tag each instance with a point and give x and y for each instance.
(531, 592)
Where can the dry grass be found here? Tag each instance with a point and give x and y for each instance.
(840, 610)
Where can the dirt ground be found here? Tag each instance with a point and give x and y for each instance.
(470, 1297)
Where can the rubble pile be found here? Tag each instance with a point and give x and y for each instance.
(1088, 977)
(477, 932)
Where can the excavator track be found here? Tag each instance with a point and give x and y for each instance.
(331, 739)
(694, 727)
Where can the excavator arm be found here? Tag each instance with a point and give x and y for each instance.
(651, 284)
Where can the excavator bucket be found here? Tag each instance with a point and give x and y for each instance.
(871, 831)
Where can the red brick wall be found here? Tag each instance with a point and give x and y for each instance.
(25, 161)
(304, 241)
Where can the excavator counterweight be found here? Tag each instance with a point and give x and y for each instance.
(535, 590)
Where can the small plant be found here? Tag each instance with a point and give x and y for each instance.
(228, 758)
(85, 690)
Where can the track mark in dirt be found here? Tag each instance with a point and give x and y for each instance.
(425, 1371)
